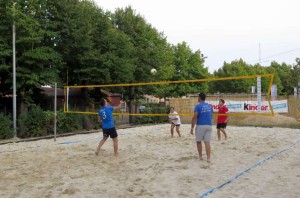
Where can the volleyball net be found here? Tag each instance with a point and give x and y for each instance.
(251, 96)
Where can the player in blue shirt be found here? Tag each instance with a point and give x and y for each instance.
(203, 118)
(108, 126)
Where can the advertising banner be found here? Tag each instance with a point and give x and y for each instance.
(274, 92)
(279, 106)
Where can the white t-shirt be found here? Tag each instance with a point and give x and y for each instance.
(177, 121)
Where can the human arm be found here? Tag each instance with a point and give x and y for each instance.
(226, 112)
(194, 120)
(119, 105)
(99, 119)
(174, 118)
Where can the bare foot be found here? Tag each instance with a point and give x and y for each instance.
(96, 153)
(201, 158)
(208, 160)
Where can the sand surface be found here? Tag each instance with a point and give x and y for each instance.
(151, 164)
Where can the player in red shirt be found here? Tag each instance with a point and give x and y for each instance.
(222, 119)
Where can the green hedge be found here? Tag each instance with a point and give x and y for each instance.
(153, 109)
(33, 123)
(37, 122)
(6, 130)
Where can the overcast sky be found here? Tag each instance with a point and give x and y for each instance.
(225, 30)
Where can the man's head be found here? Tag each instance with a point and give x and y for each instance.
(201, 97)
(172, 109)
(102, 102)
(221, 102)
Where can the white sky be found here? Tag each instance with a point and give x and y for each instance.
(225, 30)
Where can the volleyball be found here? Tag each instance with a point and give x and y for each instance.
(153, 71)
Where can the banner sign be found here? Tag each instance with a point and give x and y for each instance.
(253, 89)
(279, 106)
(274, 92)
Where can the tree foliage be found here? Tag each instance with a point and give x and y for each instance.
(76, 42)
(285, 77)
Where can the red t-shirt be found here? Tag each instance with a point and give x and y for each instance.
(222, 118)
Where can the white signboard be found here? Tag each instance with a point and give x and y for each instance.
(253, 89)
(274, 92)
(259, 94)
(279, 106)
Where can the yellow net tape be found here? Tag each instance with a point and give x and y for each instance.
(271, 76)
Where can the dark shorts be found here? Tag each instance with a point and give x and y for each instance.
(112, 133)
(221, 125)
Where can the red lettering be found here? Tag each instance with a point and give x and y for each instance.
(252, 107)
(216, 107)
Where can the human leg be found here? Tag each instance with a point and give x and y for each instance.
(101, 144)
(219, 134)
(207, 137)
(172, 129)
(178, 131)
(199, 137)
(115, 143)
(199, 148)
(208, 150)
(224, 132)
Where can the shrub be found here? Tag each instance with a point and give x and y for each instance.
(6, 130)
(144, 119)
(37, 122)
(153, 109)
(32, 123)
(68, 122)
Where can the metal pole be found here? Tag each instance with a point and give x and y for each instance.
(14, 82)
(258, 94)
(67, 105)
(259, 55)
(55, 114)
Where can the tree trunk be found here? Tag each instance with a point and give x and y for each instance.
(22, 108)
(131, 104)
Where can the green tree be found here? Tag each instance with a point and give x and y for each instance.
(5, 47)
(235, 68)
(151, 49)
(295, 76)
(282, 79)
(189, 66)
(37, 62)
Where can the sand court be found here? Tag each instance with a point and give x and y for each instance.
(151, 164)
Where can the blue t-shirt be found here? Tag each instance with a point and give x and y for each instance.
(204, 113)
(106, 116)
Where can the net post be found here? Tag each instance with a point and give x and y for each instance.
(67, 99)
(55, 108)
(259, 93)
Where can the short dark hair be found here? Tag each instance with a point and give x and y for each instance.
(223, 101)
(202, 96)
(102, 102)
(170, 109)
